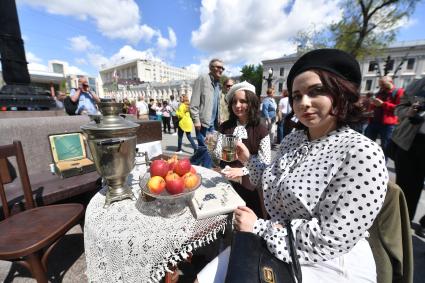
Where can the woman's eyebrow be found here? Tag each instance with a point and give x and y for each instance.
(310, 87)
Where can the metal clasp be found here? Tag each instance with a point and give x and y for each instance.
(268, 275)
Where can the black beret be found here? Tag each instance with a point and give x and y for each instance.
(335, 61)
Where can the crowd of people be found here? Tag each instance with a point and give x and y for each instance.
(329, 176)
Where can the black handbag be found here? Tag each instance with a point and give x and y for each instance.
(251, 262)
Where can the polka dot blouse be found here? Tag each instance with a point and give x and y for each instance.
(330, 188)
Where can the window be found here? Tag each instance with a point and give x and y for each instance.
(368, 85)
(57, 68)
(372, 66)
(406, 82)
(281, 72)
(280, 86)
(410, 63)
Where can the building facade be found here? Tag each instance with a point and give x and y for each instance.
(154, 90)
(408, 58)
(138, 71)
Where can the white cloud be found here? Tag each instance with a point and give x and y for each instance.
(32, 58)
(250, 31)
(36, 64)
(75, 70)
(80, 43)
(37, 67)
(81, 61)
(116, 19)
(166, 43)
(126, 53)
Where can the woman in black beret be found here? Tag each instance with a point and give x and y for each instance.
(328, 180)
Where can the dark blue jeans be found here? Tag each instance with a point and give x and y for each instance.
(201, 157)
(280, 131)
(152, 117)
(384, 131)
(180, 140)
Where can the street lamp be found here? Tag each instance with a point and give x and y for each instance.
(269, 79)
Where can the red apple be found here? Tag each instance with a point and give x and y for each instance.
(171, 176)
(174, 184)
(172, 162)
(156, 185)
(183, 166)
(190, 180)
(159, 168)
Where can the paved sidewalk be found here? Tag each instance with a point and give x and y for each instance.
(67, 261)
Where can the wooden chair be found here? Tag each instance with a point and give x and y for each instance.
(28, 237)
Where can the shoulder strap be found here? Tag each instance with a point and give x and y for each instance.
(394, 93)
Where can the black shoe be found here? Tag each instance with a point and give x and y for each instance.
(420, 231)
(422, 221)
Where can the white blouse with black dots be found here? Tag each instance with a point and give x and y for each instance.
(330, 188)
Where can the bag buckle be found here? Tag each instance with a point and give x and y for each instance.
(268, 275)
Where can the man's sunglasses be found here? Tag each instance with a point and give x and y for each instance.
(219, 67)
(229, 86)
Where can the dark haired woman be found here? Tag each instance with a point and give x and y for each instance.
(244, 123)
(328, 180)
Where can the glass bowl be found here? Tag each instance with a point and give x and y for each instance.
(165, 204)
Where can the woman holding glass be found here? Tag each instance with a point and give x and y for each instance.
(328, 180)
(244, 125)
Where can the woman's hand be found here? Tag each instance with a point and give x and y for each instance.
(244, 219)
(232, 173)
(242, 152)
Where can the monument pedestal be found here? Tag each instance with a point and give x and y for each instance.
(26, 96)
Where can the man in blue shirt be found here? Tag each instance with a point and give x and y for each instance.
(204, 109)
(86, 99)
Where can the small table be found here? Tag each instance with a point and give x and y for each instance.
(124, 245)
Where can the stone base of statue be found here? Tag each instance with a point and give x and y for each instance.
(26, 97)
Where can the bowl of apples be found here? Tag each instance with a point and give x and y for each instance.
(169, 185)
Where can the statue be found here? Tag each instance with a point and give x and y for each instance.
(17, 92)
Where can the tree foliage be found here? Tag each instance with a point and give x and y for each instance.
(369, 25)
(254, 75)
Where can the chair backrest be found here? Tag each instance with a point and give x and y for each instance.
(391, 240)
(11, 150)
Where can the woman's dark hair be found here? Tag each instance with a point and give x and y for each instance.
(345, 97)
(253, 108)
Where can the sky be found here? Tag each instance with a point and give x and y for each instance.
(91, 34)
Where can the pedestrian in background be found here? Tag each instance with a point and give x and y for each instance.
(132, 109)
(174, 106)
(268, 113)
(142, 107)
(224, 109)
(409, 154)
(152, 109)
(87, 99)
(185, 124)
(166, 117)
(383, 121)
(204, 109)
(283, 111)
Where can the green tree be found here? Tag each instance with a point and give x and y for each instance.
(254, 75)
(369, 25)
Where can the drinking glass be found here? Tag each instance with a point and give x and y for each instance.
(211, 142)
(228, 152)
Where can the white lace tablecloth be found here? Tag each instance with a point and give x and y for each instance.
(122, 244)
